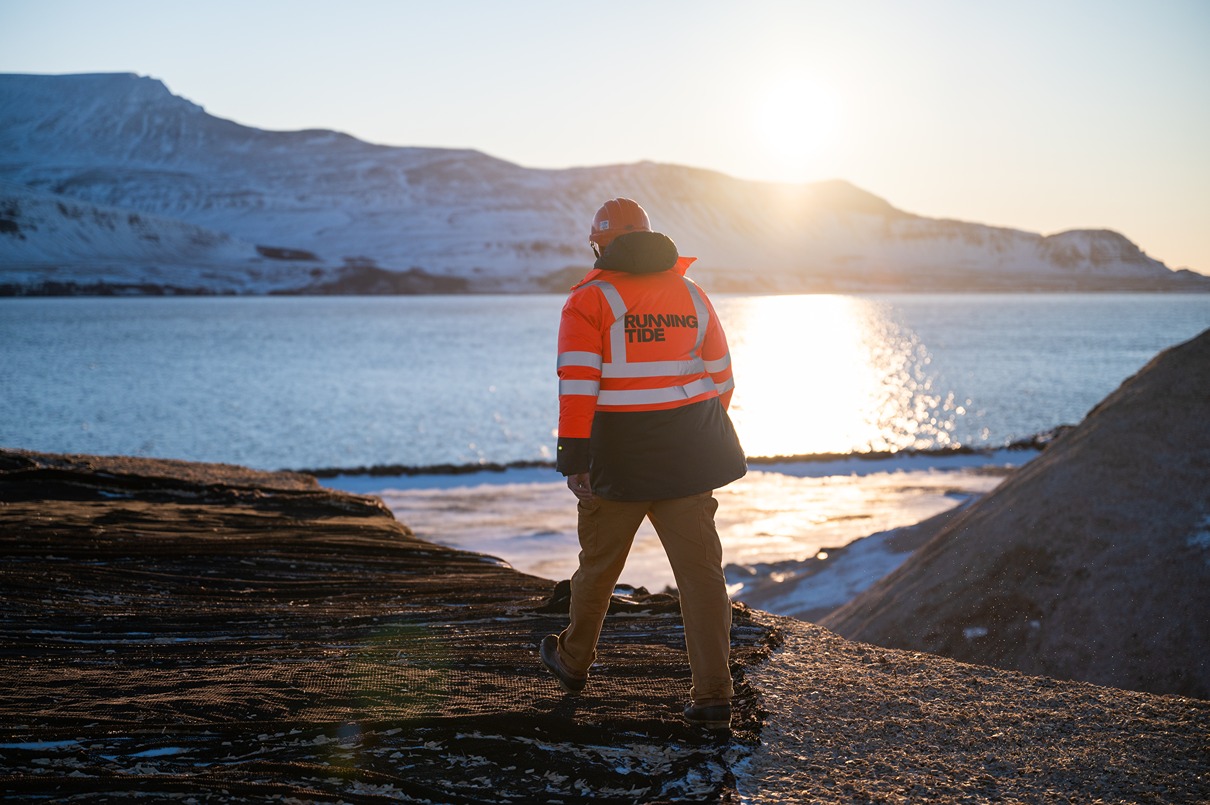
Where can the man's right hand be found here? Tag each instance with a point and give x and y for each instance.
(580, 486)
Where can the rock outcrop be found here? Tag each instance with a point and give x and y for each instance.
(205, 633)
(170, 627)
(1092, 562)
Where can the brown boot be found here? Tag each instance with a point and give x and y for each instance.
(713, 716)
(549, 652)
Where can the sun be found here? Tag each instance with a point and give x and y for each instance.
(796, 120)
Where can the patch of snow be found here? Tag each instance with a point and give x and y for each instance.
(846, 576)
(162, 751)
(1200, 538)
(39, 745)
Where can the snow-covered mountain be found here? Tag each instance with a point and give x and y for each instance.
(110, 182)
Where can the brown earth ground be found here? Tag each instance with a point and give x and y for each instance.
(206, 633)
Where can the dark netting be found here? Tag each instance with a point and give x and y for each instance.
(206, 633)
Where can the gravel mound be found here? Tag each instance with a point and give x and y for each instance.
(1092, 562)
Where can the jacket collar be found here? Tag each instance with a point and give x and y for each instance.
(639, 253)
(682, 265)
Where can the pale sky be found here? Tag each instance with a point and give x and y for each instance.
(1043, 115)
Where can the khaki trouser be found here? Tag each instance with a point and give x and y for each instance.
(686, 529)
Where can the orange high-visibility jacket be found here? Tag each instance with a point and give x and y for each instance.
(644, 381)
(638, 342)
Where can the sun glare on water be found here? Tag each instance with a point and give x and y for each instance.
(828, 374)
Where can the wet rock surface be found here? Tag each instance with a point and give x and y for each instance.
(205, 633)
(211, 633)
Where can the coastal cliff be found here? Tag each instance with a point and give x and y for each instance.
(209, 633)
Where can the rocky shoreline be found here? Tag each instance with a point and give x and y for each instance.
(211, 633)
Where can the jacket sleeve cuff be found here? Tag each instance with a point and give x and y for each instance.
(572, 456)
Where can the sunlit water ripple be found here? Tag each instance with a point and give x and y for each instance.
(357, 382)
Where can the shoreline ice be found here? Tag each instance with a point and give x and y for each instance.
(781, 514)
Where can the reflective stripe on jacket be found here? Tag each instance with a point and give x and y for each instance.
(638, 342)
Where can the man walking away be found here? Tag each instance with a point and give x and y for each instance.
(644, 384)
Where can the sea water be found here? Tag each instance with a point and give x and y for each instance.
(356, 382)
(344, 382)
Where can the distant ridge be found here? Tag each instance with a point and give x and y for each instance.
(1092, 562)
(323, 212)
